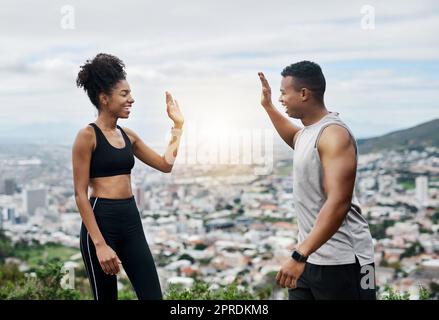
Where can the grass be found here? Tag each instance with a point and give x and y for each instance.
(408, 185)
(35, 255)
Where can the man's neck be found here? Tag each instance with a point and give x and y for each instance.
(317, 113)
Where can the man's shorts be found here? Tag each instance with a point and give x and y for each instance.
(339, 282)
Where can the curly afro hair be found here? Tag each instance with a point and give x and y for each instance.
(99, 75)
(307, 75)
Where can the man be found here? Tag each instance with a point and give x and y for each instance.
(334, 258)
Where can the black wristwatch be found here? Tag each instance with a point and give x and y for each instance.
(296, 255)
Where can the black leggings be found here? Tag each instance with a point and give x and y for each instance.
(120, 224)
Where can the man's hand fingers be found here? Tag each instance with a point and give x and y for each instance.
(291, 282)
(263, 80)
(288, 281)
(278, 276)
(282, 280)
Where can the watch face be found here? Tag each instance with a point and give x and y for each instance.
(298, 257)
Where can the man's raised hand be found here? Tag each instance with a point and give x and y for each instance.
(266, 92)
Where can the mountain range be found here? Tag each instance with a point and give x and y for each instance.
(420, 136)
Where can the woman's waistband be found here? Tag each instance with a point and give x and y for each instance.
(108, 200)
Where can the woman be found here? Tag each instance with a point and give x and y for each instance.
(103, 156)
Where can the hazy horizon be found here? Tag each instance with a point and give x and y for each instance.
(49, 133)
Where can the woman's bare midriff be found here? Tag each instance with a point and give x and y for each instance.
(114, 187)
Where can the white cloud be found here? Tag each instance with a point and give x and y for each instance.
(208, 52)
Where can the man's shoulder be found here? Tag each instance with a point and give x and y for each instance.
(335, 137)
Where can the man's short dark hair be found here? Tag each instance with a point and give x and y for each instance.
(307, 74)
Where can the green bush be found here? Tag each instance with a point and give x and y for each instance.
(10, 273)
(391, 294)
(45, 285)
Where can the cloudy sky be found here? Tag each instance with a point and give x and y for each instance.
(207, 53)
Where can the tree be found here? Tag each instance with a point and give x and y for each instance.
(414, 250)
(186, 256)
(6, 248)
(378, 231)
(435, 217)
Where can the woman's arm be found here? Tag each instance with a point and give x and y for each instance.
(148, 156)
(81, 156)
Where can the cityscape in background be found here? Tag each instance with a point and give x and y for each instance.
(223, 224)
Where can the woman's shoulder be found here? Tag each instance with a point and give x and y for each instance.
(86, 136)
(86, 132)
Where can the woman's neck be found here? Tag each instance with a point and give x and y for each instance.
(106, 121)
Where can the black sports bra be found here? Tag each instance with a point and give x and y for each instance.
(107, 160)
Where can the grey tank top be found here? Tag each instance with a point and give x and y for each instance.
(353, 238)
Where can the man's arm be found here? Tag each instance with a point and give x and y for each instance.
(284, 127)
(339, 162)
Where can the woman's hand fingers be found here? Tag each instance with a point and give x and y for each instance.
(169, 99)
(177, 105)
(173, 109)
(110, 264)
(110, 267)
(115, 265)
(105, 267)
